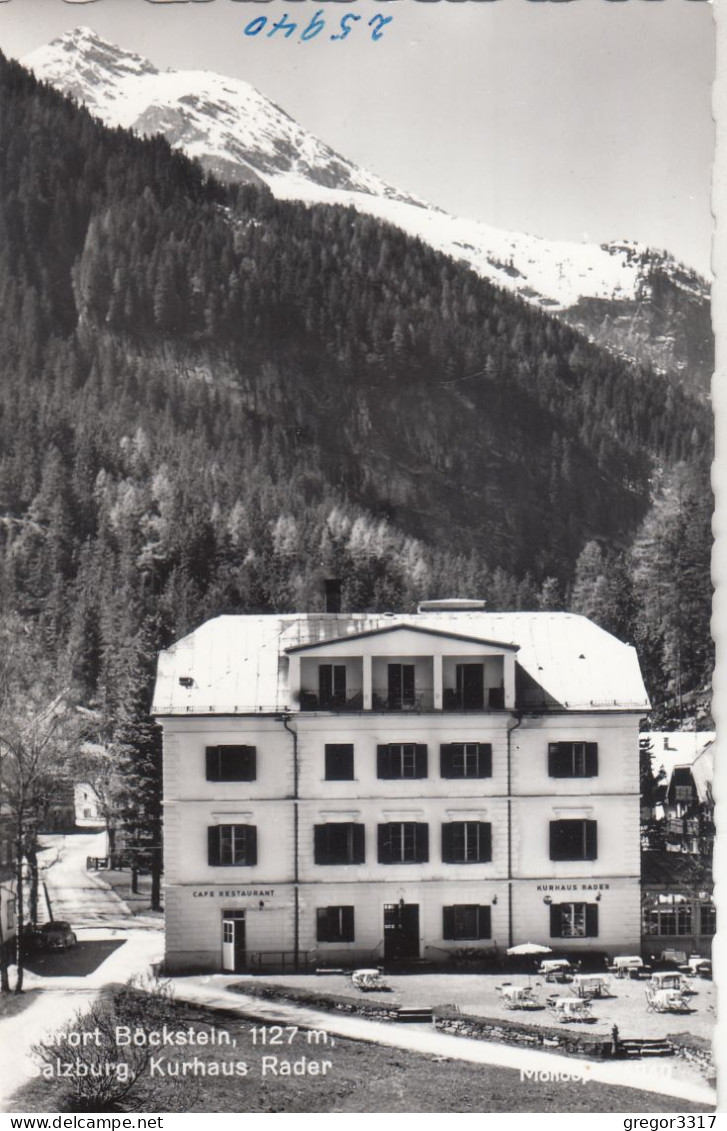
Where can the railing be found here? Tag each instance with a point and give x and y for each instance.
(422, 699)
(311, 701)
(493, 699)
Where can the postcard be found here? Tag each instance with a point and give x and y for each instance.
(356, 436)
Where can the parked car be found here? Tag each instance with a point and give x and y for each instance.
(58, 935)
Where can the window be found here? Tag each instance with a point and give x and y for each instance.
(334, 924)
(401, 691)
(683, 793)
(232, 845)
(675, 920)
(574, 920)
(231, 763)
(339, 761)
(466, 921)
(332, 685)
(466, 842)
(340, 842)
(708, 919)
(471, 686)
(573, 759)
(10, 916)
(401, 760)
(466, 760)
(573, 840)
(403, 842)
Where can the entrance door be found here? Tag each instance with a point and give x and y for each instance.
(471, 686)
(233, 941)
(401, 931)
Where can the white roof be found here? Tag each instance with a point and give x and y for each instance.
(239, 664)
(680, 749)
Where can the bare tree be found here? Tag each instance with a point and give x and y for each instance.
(39, 732)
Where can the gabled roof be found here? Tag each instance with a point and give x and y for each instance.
(239, 664)
(404, 625)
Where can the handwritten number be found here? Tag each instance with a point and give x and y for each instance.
(381, 22)
(287, 27)
(345, 26)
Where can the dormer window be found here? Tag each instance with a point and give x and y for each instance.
(331, 685)
(401, 686)
(470, 687)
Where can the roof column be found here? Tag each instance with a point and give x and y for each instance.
(368, 683)
(294, 678)
(438, 681)
(509, 666)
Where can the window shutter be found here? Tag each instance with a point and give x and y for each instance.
(445, 760)
(592, 920)
(447, 922)
(212, 761)
(555, 762)
(359, 844)
(325, 681)
(322, 928)
(420, 766)
(485, 839)
(320, 844)
(383, 762)
(384, 845)
(213, 845)
(556, 921)
(484, 923)
(339, 680)
(251, 845)
(421, 843)
(591, 840)
(591, 759)
(484, 760)
(250, 763)
(347, 931)
(407, 681)
(556, 844)
(447, 849)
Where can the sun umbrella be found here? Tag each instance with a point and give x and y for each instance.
(529, 948)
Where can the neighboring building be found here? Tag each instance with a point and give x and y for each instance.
(359, 788)
(678, 909)
(7, 885)
(678, 912)
(87, 806)
(684, 799)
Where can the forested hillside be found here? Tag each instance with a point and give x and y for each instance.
(210, 400)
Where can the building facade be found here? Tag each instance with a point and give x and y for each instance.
(358, 789)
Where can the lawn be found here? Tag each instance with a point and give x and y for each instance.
(353, 1076)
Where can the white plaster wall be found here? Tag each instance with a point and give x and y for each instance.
(617, 736)
(618, 836)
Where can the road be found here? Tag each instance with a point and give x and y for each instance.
(112, 947)
(77, 895)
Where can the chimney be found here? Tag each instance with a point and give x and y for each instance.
(333, 595)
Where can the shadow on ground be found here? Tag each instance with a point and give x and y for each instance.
(80, 960)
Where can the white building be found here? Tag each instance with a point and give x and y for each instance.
(359, 788)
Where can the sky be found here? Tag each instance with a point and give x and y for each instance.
(589, 120)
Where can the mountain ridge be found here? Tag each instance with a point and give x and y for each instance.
(239, 135)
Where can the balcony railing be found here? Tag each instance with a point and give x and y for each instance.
(312, 701)
(492, 699)
(422, 699)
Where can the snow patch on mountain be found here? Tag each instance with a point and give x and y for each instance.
(240, 135)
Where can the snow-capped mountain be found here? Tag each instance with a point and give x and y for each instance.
(237, 133)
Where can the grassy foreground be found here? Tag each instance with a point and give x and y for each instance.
(352, 1076)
